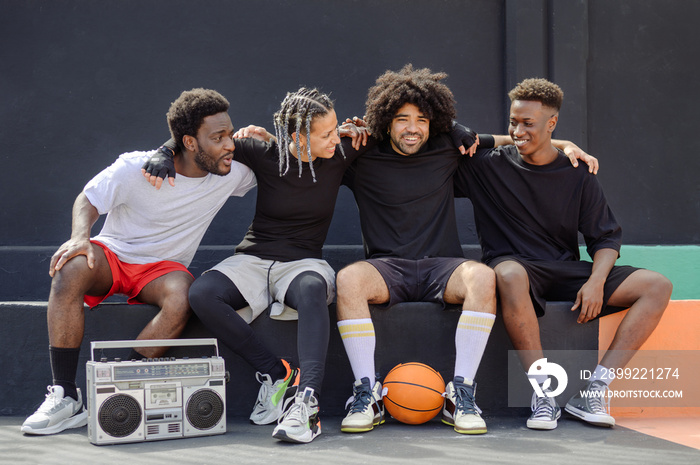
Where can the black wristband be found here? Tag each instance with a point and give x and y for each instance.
(167, 151)
(486, 141)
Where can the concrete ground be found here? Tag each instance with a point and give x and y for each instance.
(507, 442)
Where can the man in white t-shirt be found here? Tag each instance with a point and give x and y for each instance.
(148, 239)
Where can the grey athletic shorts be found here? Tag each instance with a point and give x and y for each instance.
(262, 282)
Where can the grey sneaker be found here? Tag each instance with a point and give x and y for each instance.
(545, 412)
(460, 408)
(272, 395)
(300, 422)
(366, 408)
(592, 404)
(56, 413)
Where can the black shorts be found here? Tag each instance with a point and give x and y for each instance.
(422, 280)
(561, 280)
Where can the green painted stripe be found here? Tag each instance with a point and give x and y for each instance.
(679, 263)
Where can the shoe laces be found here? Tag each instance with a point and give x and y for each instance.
(298, 411)
(360, 400)
(465, 398)
(266, 389)
(599, 403)
(542, 407)
(51, 402)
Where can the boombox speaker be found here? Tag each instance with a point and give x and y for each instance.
(153, 399)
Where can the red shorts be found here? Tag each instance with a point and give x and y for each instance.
(129, 279)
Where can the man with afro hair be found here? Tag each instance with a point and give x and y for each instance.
(403, 188)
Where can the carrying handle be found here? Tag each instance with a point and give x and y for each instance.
(152, 343)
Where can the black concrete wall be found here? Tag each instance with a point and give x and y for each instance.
(83, 81)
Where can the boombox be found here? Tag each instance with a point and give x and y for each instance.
(154, 399)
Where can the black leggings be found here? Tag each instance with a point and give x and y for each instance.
(215, 299)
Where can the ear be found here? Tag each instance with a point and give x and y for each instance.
(190, 143)
(302, 139)
(552, 123)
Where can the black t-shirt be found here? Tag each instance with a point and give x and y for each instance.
(535, 211)
(406, 203)
(292, 213)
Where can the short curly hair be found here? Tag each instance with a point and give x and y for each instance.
(420, 87)
(186, 114)
(538, 90)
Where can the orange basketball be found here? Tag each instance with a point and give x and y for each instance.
(414, 392)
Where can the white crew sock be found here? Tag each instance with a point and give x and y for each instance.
(473, 330)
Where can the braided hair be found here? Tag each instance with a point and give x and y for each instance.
(295, 116)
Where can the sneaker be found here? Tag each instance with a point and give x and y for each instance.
(545, 412)
(460, 408)
(366, 408)
(270, 402)
(593, 406)
(300, 422)
(56, 413)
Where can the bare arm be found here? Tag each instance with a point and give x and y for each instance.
(84, 217)
(255, 132)
(571, 150)
(590, 296)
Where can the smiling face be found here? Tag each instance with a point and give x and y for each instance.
(531, 127)
(214, 145)
(409, 130)
(323, 139)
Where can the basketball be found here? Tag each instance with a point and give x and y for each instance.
(414, 393)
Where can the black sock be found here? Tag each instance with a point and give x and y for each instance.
(279, 372)
(64, 366)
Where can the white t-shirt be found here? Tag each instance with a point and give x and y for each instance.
(146, 225)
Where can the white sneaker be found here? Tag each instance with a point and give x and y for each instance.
(592, 405)
(460, 408)
(366, 408)
(545, 412)
(56, 413)
(272, 395)
(300, 422)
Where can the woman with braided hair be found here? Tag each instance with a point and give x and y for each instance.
(278, 265)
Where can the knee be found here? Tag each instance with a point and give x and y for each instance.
(348, 279)
(176, 303)
(309, 283)
(510, 276)
(665, 287)
(660, 289)
(198, 294)
(485, 278)
(73, 278)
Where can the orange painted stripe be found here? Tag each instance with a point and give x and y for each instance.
(679, 329)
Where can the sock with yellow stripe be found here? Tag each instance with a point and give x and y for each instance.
(473, 330)
(359, 341)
